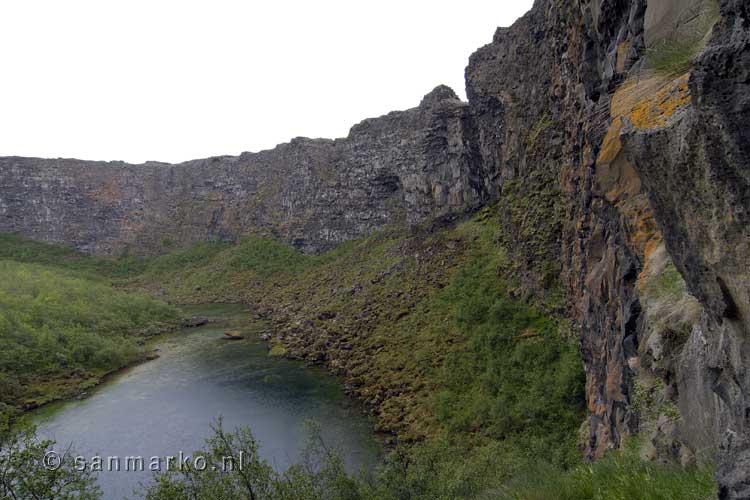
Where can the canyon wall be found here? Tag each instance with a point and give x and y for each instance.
(621, 176)
(588, 105)
(400, 168)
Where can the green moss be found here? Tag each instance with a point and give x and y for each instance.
(667, 285)
(278, 350)
(648, 401)
(674, 55)
(543, 123)
(530, 223)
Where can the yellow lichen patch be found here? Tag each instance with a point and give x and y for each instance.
(611, 145)
(642, 231)
(615, 178)
(650, 102)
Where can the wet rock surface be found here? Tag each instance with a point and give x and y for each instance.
(194, 321)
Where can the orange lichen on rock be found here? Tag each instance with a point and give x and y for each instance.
(611, 145)
(643, 233)
(649, 103)
(615, 178)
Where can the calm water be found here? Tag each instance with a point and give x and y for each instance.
(165, 406)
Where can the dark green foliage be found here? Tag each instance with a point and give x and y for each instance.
(518, 378)
(23, 474)
(234, 470)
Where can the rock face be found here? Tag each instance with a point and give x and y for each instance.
(653, 173)
(623, 188)
(402, 167)
(542, 90)
(696, 171)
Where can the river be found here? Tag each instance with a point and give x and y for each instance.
(165, 406)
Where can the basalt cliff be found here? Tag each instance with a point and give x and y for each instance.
(611, 137)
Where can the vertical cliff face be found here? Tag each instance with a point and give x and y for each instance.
(541, 91)
(400, 168)
(619, 164)
(696, 170)
(651, 162)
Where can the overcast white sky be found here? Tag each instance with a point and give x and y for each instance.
(167, 80)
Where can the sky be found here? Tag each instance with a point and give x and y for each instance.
(165, 80)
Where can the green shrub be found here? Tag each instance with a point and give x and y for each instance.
(518, 378)
(56, 321)
(437, 470)
(619, 475)
(23, 470)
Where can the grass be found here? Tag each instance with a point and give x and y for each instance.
(674, 55)
(61, 329)
(477, 383)
(516, 377)
(18, 249)
(618, 476)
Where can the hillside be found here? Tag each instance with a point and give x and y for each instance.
(63, 326)
(475, 388)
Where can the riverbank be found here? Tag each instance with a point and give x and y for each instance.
(406, 318)
(79, 384)
(168, 405)
(63, 329)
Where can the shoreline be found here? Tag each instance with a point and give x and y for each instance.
(94, 382)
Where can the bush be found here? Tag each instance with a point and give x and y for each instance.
(54, 322)
(23, 471)
(437, 470)
(518, 378)
(619, 475)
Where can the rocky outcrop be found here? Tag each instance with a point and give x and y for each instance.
(542, 90)
(400, 168)
(696, 171)
(651, 242)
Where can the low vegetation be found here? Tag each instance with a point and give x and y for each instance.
(62, 329)
(479, 387)
(435, 472)
(674, 54)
